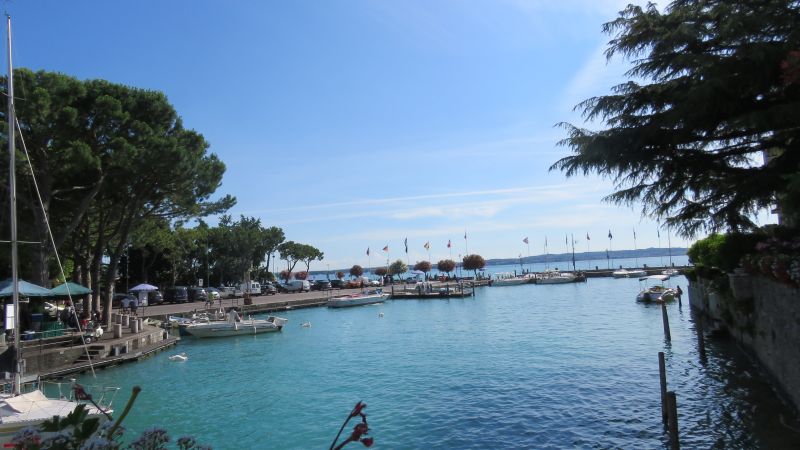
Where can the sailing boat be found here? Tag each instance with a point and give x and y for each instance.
(18, 409)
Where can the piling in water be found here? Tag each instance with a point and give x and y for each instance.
(666, 321)
(662, 376)
(672, 408)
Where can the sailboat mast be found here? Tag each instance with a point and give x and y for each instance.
(573, 252)
(12, 192)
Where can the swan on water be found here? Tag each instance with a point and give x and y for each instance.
(179, 357)
(306, 324)
(380, 315)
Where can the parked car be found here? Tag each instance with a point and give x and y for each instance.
(338, 284)
(268, 288)
(297, 286)
(176, 294)
(213, 293)
(321, 285)
(197, 294)
(121, 300)
(155, 298)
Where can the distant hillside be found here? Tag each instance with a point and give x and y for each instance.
(583, 256)
(556, 257)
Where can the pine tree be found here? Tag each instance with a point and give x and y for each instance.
(705, 133)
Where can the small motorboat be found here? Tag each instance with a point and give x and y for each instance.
(364, 298)
(657, 292)
(235, 326)
(628, 273)
(179, 357)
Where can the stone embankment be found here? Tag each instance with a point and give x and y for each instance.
(764, 316)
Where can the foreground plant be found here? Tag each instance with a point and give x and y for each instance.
(80, 431)
(359, 430)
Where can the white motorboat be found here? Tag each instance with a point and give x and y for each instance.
(629, 273)
(31, 409)
(656, 292)
(363, 298)
(235, 326)
(509, 279)
(671, 272)
(554, 277)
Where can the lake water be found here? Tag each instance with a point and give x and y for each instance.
(550, 366)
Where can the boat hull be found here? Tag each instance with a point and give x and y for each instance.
(357, 300)
(511, 282)
(224, 328)
(656, 295)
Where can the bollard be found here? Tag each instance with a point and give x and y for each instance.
(662, 376)
(666, 321)
(134, 326)
(117, 331)
(672, 408)
(126, 321)
(141, 323)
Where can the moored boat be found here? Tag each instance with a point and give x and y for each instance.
(235, 326)
(509, 279)
(362, 298)
(629, 273)
(554, 277)
(655, 293)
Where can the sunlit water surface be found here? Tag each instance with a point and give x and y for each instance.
(559, 366)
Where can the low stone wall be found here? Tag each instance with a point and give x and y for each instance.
(764, 316)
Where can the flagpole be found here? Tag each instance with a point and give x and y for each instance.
(588, 258)
(466, 245)
(611, 260)
(669, 246)
(635, 249)
(546, 266)
(573, 253)
(529, 251)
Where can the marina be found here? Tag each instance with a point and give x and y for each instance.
(551, 366)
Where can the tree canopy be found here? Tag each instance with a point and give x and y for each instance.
(473, 262)
(446, 265)
(397, 267)
(356, 271)
(712, 89)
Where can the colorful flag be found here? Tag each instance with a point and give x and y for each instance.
(386, 249)
(406, 243)
(587, 237)
(427, 246)
(367, 251)
(448, 243)
(609, 234)
(566, 240)
(525, 240)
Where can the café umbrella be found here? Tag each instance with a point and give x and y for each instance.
(25, 289)
(70, 288)
(143, 287)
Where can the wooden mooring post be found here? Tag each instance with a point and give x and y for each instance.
(672, 423)
(662, 376)
(666, 321)
(701, 339)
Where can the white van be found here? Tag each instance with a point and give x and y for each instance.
(254, 289)
(297, 286)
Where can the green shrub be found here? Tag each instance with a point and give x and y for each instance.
(724, 251)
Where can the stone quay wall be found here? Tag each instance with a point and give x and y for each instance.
(764, 316)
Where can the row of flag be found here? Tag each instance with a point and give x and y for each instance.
(427, 245)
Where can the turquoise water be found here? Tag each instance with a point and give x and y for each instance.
(532, 366)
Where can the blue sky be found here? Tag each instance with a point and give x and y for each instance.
(359, 123)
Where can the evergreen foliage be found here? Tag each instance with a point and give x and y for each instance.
(712, 88)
